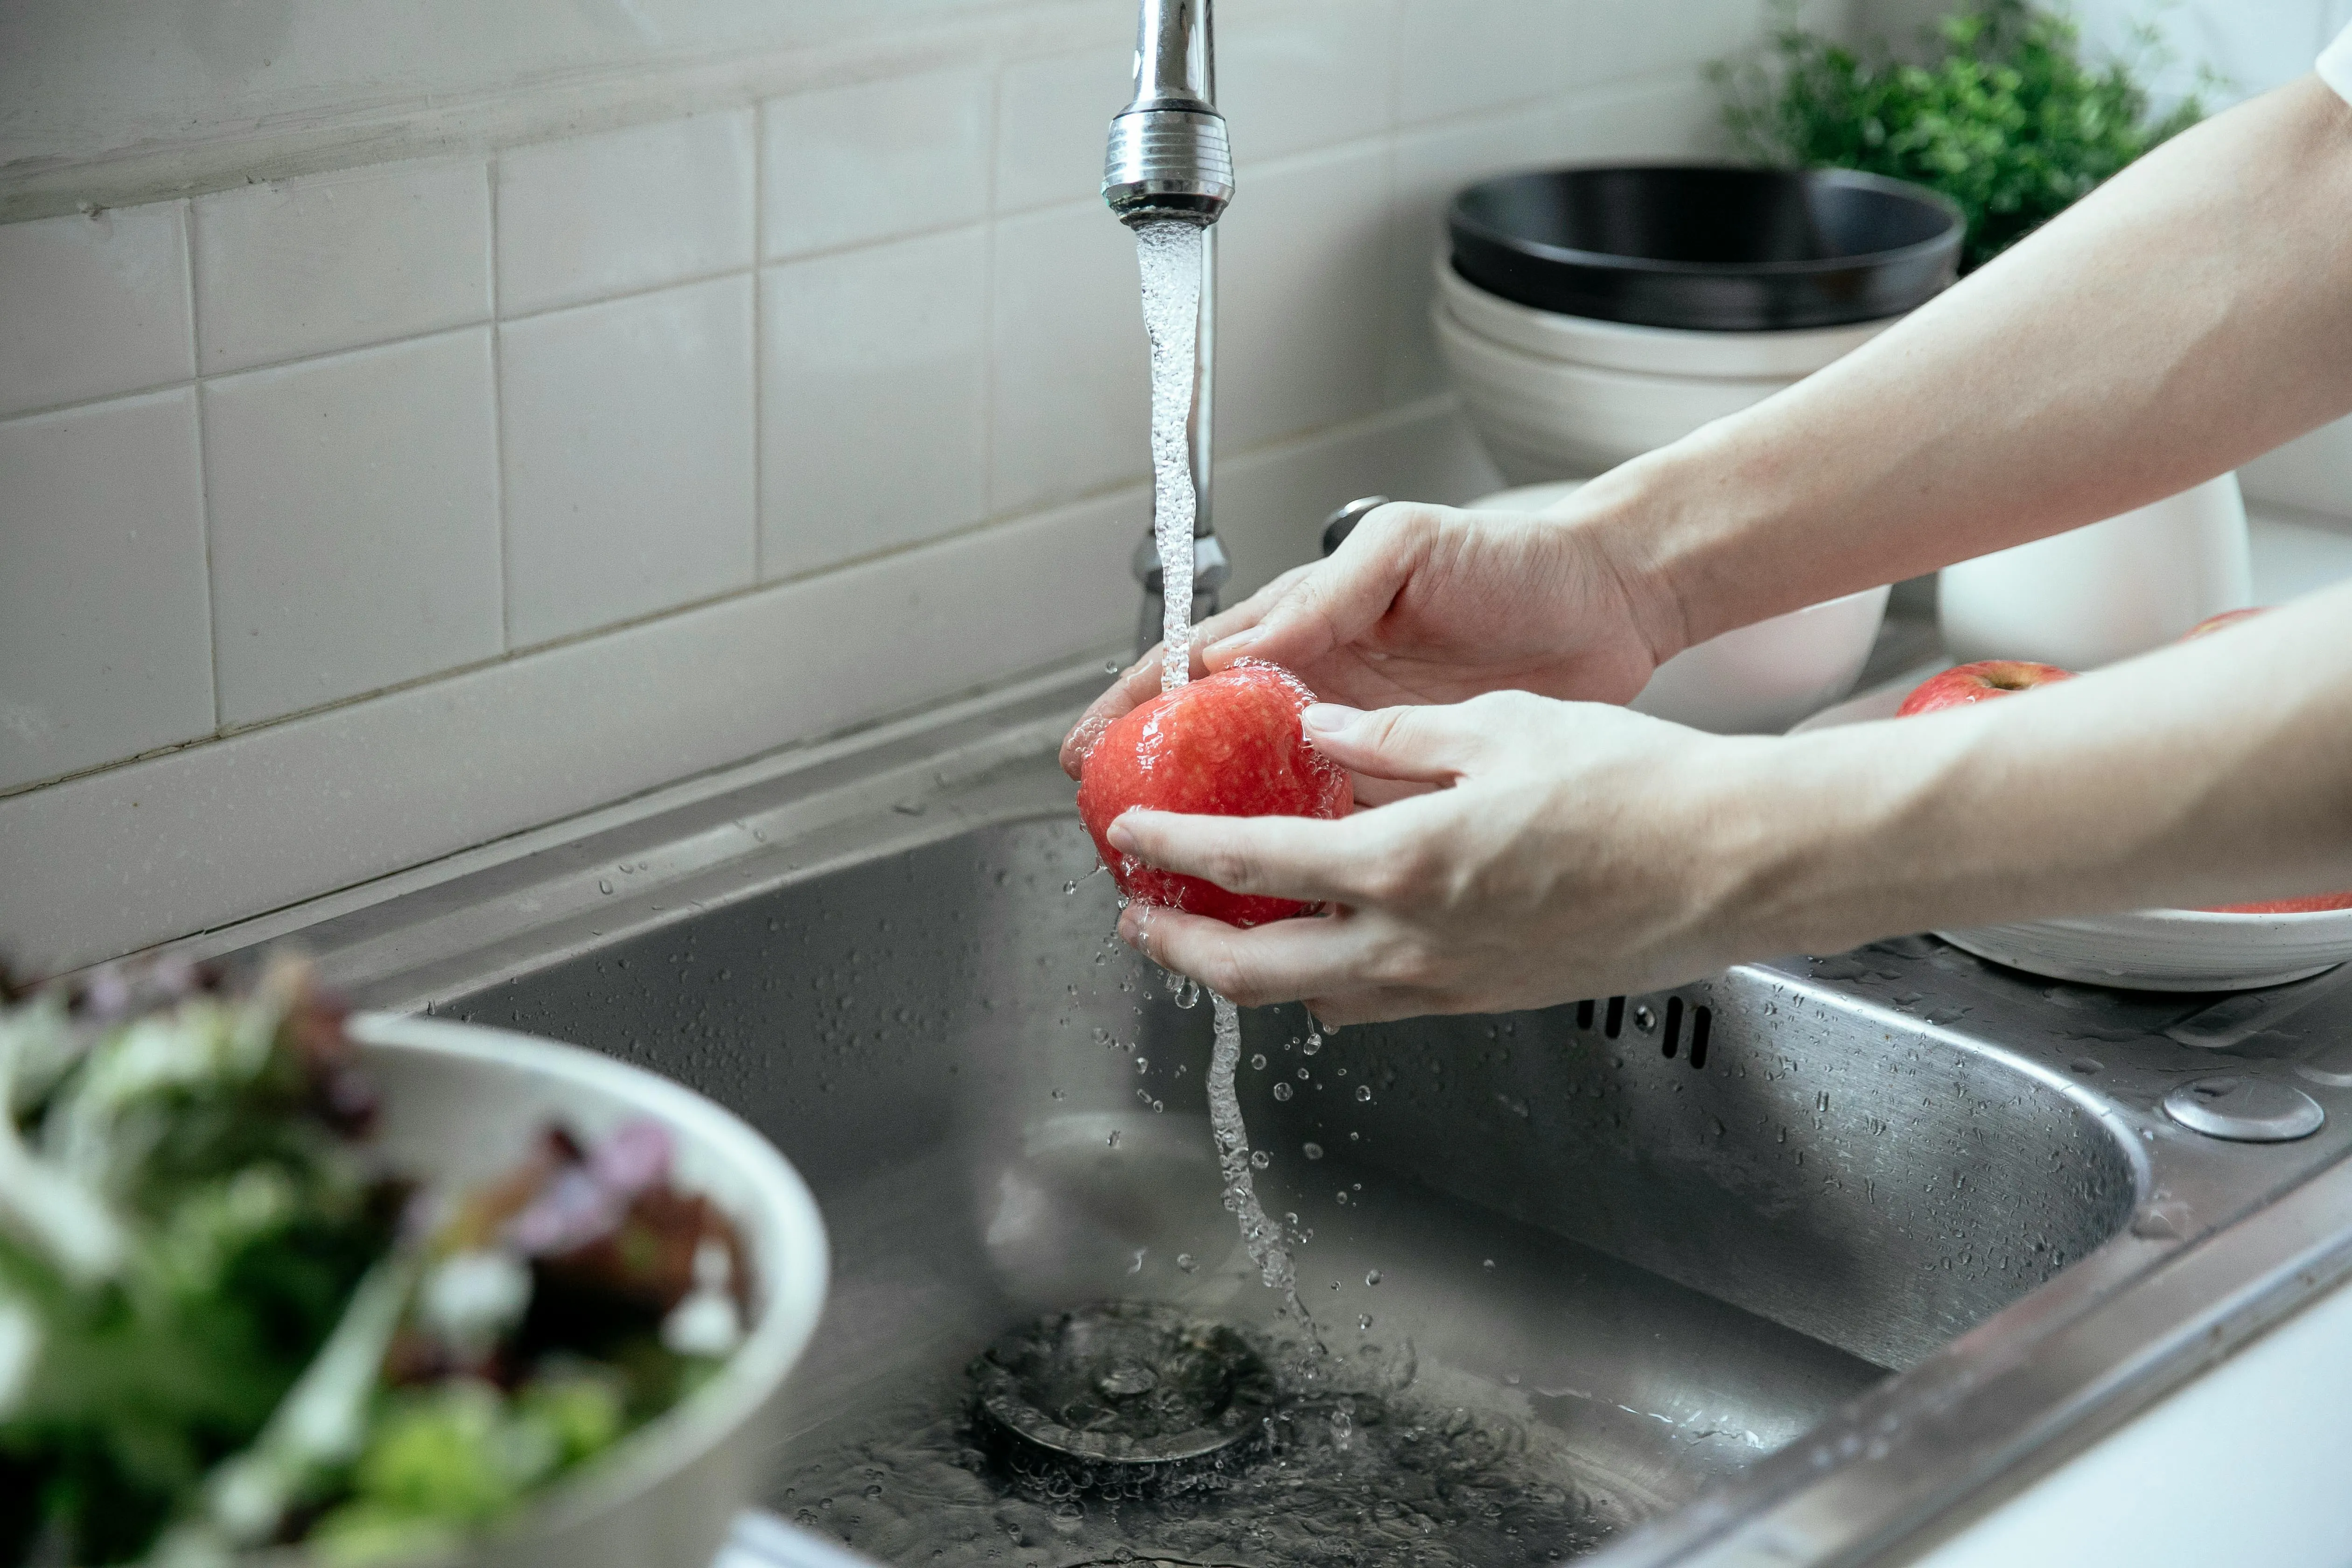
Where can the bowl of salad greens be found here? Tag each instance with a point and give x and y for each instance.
(283, 1285)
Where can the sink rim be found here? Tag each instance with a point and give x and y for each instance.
(2041, 1379)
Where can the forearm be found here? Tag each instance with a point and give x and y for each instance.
(2193, 313)
(2211, 773)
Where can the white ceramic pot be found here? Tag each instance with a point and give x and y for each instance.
(464, 1104)
(1554, 396)
(1761, 678)
(2096, 595)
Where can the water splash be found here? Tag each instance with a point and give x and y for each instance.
(1259, 1233)
(1168, 253)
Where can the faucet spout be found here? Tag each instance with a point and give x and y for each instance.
(1169, 159)
(1168, 156)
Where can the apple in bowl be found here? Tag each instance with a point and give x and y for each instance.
(1979, 682)
(1987, 678)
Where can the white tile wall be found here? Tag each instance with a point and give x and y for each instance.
(1070, 392)
(93, 306)
(354, 522)
(338, 260)
(1468, 56)
(1303, 296)
(628, 457)
(606, 214)
(849, 166)
(355, 431)
(1300, 76)
(874, 407)
(1051, 113)
(104, 647)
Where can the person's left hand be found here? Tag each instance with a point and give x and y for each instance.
(1571, 851)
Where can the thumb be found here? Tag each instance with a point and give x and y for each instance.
(1334, 602)
(1421, 745)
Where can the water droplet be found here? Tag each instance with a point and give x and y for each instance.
(1257, 1062)
(1069, 887)
(1113, 1138)
(603, 885)
(1260, 1158)
(1312, 1151)
(1302, 1075)
(1372, 1277)
(1488, 1264)
(1363, 1094)
(1313, 1043)
(1339, 1196)
(1282, 1091)
(1184, 1261)
(1363, 1319)
(1110, 667)
(1141, 1064)
(1058, 1095)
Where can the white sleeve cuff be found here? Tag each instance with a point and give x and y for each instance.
(2335, 65)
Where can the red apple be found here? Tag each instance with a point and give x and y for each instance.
(2215, 623)
(2309, 904)
(1978, 682)
(1226, 745)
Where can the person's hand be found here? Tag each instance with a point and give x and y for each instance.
(1428, 603)
(1569, 850)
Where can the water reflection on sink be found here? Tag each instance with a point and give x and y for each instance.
(1609, 1254)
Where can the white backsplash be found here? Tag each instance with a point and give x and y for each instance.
(350, 521)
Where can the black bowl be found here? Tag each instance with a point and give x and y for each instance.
(1712, 247)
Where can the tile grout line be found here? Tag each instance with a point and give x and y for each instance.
(204, 467)
(1420, 409)
(759, 344)
(989, 216)
(499, 412)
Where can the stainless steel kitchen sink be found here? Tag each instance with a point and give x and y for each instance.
(1802, 1263)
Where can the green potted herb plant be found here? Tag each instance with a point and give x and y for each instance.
(2007, 118)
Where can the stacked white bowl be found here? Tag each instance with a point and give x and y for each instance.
(1553, 396)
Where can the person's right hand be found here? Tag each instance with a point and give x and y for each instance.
(1430, 603)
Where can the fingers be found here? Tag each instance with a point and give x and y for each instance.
(1241, 617)
(1280, 857)
(1375, 791)
(1431, 745)
(1331, 603)
(1281, 962)
(1138, 682)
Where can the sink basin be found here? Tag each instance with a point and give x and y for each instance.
(1783, 1265)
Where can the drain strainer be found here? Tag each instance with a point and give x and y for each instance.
(1123, 1386)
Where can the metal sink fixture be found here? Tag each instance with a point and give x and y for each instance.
(1803, 1263)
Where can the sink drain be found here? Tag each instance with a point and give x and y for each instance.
(1122, 1394)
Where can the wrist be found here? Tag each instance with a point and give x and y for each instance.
(1614, 520)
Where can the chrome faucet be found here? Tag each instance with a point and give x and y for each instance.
(1168, 158)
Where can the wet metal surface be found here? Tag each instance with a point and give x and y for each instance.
(1775, 1267)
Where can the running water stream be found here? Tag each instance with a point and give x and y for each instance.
(1168, 253)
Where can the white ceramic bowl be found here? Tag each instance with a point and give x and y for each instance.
(1654, 350)
(2169, 950)
(462, 1104)
(2102, 593)
(1761, 678)
(1550, 420)
(1555, 397)
(2142, 950)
